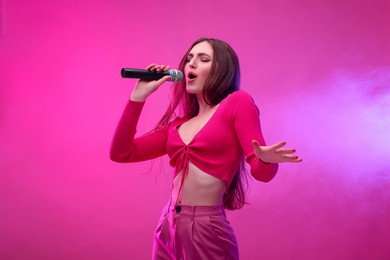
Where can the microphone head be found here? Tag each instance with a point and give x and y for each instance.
(176, 75)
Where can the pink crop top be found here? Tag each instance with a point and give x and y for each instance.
(216, 149)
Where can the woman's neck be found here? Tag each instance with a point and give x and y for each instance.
(203, 106)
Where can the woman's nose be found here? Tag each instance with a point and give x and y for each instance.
(192, 63)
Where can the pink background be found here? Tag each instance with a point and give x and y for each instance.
(318, 70)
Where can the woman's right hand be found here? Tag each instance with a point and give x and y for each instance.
(144, 88)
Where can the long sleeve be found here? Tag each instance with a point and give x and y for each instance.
(247, 125)
(126, 148)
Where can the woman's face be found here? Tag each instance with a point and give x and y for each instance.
(198, 67)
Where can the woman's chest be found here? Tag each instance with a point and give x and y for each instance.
(213, 134)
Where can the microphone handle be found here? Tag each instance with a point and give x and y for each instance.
(143, 74)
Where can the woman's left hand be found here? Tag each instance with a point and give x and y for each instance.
(274, 153)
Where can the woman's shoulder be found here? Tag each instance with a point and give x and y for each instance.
(238, 97)
(240, 102)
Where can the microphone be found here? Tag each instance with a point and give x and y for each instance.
(176, 75)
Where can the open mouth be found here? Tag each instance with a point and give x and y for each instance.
(191, 76)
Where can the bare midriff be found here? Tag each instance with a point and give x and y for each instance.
(199, 188)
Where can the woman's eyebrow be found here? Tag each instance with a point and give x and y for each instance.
(199, 54)
(203, 54)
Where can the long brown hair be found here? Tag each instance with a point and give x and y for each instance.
(224, 79)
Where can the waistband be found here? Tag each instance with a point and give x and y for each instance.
(190, 210)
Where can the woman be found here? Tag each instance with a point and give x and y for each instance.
(218, 131)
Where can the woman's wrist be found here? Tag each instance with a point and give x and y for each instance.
(264, 161)
(136, 97)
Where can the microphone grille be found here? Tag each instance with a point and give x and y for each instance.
(176, 75)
